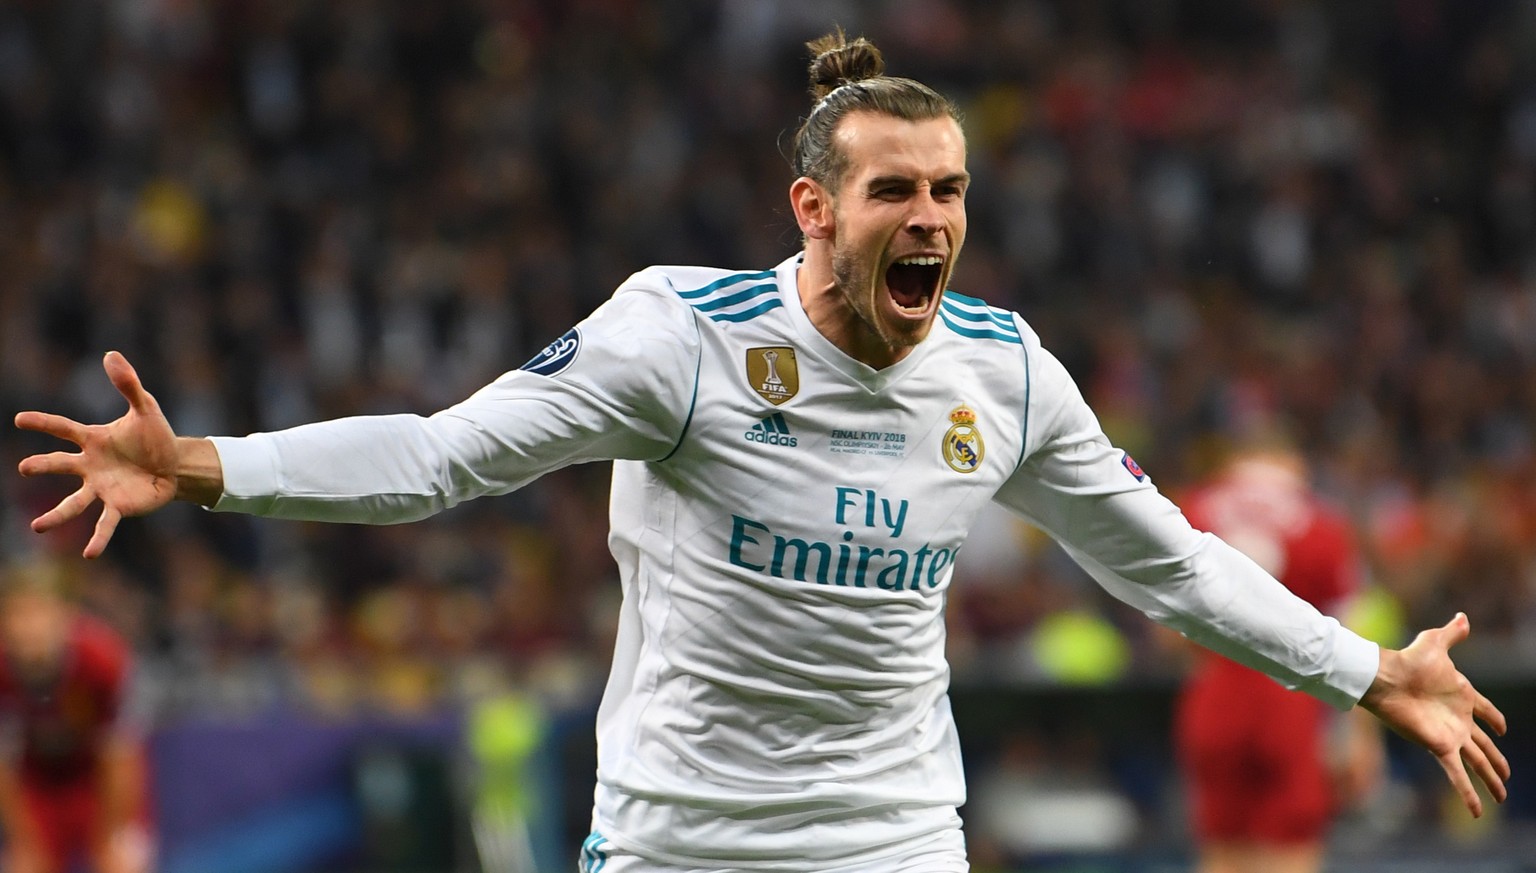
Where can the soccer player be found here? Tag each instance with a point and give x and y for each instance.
(799, 452)
(72, 780)
(1263, 787)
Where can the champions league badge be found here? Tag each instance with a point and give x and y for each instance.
(556, 356)
(963, 448)
(773, 373)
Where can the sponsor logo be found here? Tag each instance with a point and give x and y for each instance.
(773, 373)
(773, 431)
(962, 445)
(868, 552)
(556, 356)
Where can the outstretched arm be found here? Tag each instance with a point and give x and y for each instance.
(1139, 547)
(623, 390)
(1420, 694)
(133, 465)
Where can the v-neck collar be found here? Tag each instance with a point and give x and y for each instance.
(857, 371)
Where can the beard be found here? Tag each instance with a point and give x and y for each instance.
(860, 286)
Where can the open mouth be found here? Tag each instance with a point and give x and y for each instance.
(914, 281)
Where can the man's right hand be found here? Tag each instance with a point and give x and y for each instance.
(134, 465)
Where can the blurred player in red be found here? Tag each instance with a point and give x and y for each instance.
(72, 773)
(1269, 768)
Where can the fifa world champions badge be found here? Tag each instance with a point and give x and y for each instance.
(773, 373)
(963, 447)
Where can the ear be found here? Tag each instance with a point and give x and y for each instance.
(813, 208)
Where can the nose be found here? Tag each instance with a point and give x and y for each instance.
(926, 218)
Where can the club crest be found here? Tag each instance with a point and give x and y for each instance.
(773, 373)
(963, 446)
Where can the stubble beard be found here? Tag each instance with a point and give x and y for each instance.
(857, 282)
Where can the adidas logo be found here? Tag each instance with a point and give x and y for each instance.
(773, 431)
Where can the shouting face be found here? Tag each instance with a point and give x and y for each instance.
(890, 232)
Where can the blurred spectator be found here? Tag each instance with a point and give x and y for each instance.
(1267, 776)
(73, 781)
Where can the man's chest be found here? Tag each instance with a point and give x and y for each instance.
(782, 438)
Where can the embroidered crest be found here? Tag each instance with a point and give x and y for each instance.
(963, 446)
(773, 373)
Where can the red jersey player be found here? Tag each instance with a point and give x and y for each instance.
(1264, 788)
(72, 779)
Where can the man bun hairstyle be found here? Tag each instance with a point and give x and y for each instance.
(849, 76)
(836, 61)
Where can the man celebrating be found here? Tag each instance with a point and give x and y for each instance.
(799, 452)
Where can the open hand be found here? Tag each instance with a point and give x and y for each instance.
(129, 465)
(1421, 695)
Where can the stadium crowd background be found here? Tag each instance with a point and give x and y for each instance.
(1226, 217)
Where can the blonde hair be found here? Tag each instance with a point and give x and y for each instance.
(37, 575)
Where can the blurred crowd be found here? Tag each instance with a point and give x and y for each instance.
(1225, 217)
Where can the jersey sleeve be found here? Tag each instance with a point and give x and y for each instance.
(1106, 513)
(618, 385)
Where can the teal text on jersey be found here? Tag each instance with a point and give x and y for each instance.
(754, 546)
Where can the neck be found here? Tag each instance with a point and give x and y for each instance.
(827, 307)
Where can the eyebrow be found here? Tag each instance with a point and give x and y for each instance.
(891, 179)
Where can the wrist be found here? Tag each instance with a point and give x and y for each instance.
(199, 474)
(1388, 671)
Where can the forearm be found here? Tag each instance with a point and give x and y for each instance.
(375, 469)
(1141, 549)
(13, 819)
(121, 784)
(397, 468)
(1219, 598)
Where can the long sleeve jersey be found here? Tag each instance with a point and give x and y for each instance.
(785, 521)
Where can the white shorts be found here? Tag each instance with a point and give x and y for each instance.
(945, 853)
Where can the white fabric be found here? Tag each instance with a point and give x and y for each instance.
(778, 697)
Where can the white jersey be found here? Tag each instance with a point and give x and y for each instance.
(786, 520)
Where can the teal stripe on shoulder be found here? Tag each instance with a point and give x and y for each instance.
(733, 279)
(721, 301)
(748, 314)
(957, 297)
(736, 297)
(979, 329)
(977, 311)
